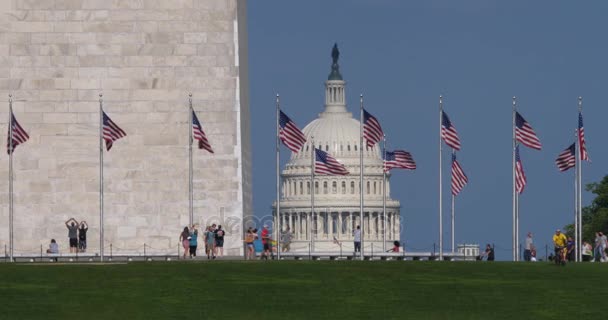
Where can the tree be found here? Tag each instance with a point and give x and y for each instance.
(595, 216)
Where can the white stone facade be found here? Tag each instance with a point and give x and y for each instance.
(337, 198)
(145, 56)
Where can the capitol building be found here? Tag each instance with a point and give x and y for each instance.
(336, 211)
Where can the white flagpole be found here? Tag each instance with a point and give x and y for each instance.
(453, 213)
(440, 181)
(514, 184)
(101, 236)
(363, 230)
(277, 223)
(10, 176)
(313, 156)
(576, 221)
(580, 185)
(384, 195)
(190, 167)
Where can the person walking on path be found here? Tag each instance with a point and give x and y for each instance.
(72, 226)
(357, 236)
(210, 242)
(249, 238)
(529, 243)
(266, 243)
(184, 238)
(219, 241)
(82, 236)
(286, 238)
(193, 242)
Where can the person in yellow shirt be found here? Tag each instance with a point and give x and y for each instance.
(560, 240)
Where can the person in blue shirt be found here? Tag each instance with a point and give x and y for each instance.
(193, 241)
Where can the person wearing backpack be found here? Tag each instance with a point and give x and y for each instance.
(219, 241)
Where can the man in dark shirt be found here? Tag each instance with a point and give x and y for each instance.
(82, 236)
(72, 234)
(219, 241)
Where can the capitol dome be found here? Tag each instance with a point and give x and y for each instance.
(336, 201)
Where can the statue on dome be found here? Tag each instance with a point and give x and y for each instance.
(335, 68)
(335, 54)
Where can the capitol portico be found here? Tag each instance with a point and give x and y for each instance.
(337, 198)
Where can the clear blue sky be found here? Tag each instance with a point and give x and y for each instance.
(478, 54)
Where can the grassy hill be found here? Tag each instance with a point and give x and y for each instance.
(303, 290)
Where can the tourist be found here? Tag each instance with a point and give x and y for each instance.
(82, 236)
(266, 238)
(357, 236)
(193, 242)
(286, 238)
(489, 253)
(570, 249)
(249, 238)
(528, 247)
(72, 226)
(598, 256)
(603, 244)
(219, 241)
(53, 247)
(210, 242)
(184, 238)
(587, 251)
(396, 246)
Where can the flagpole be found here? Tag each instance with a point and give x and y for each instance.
(277, 223)
(576, 221)
(440, 181)
(101, 236)
(580, 179)
(514, 183)
(384, 196)
(363, 230)
(10, 176)
(452, 213)
(312, 180)
(190, 167)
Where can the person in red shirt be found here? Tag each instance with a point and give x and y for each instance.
(266, 242)
(395, 247)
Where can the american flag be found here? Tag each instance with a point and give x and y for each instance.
(398, 159)
(289, 133)
(199, 134)
(111, 132)
(459, 178)
(372, 131)
(19, 135)
(525, 134)
(581, 138)
(566, 159)
(449, 133)
(520, 176)
(326, 164)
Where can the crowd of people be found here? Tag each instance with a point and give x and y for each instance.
(213, 237)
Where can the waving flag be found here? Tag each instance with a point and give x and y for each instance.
(326, 164)
(449, 133)
(459, 178)
(398, 159)
(566, 159)
(372, 131)
(199, 134)
(520, 176)
(19, 135)
(581, 138)
(111, 132)
(525, 134)
(289, 133)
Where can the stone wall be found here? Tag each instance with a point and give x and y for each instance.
(57, 56)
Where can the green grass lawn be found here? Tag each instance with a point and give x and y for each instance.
(303, 290)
